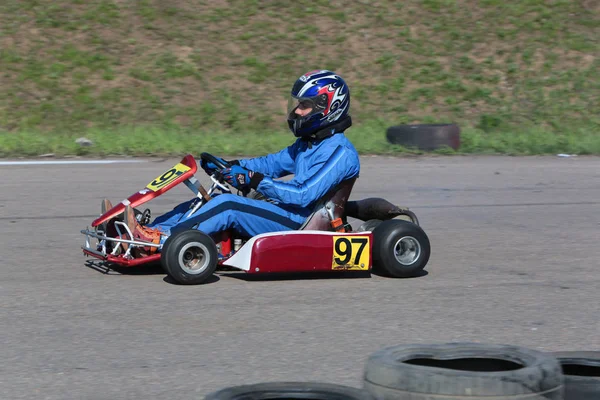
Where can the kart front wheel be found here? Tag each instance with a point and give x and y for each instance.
(189, 257)
(401, 249)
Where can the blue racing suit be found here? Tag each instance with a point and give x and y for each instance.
(317, 167)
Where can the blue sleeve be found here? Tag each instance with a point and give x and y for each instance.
(274, 165)
(341, 165)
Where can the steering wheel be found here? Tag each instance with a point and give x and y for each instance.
(210, 158)
(220, 165)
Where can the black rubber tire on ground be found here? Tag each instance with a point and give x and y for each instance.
(425, 136)
(189, 243)
(290, 390)
(396, 234)
(582, 374)
(454, 371)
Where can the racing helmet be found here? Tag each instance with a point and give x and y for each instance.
(322, 96)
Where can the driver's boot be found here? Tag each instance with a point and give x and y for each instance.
(140, 233)
(104, 207)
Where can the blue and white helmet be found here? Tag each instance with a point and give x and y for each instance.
(327, 96)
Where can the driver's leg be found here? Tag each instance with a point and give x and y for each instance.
(249, 217)
(173, 217)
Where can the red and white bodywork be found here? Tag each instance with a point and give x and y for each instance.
(304, 251)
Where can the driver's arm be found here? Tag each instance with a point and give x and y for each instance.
(303, 191)
(274, 165)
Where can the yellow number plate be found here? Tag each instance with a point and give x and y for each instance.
(351, 253)
(168, 177)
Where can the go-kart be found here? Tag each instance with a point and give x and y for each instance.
(389, 241)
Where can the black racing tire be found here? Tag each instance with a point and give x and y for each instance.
(369, 225)
(185, 247)
(425, 136)
(290, 391)
(454, 371)
(396, 235)
(582, 374)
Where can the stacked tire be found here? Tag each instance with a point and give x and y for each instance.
(462, 371)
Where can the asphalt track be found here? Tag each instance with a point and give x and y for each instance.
(515, 260)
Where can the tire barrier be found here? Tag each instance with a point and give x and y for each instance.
(425, 136)
(290, 391)
(449, 371)
(455, 371)
(581, 370)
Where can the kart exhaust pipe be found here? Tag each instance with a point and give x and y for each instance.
(376, 208)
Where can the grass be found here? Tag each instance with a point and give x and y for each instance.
(368, 139)
(144, 77)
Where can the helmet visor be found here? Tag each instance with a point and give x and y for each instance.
(304, 107)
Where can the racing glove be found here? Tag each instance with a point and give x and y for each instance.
(210, 167)
(241, 178)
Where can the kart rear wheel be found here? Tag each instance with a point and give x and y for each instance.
(189, 257)
(401, 249)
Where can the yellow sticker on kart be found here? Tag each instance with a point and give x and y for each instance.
(168, 177)
(351, 253)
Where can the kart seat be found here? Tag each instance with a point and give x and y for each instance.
(334, 200)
